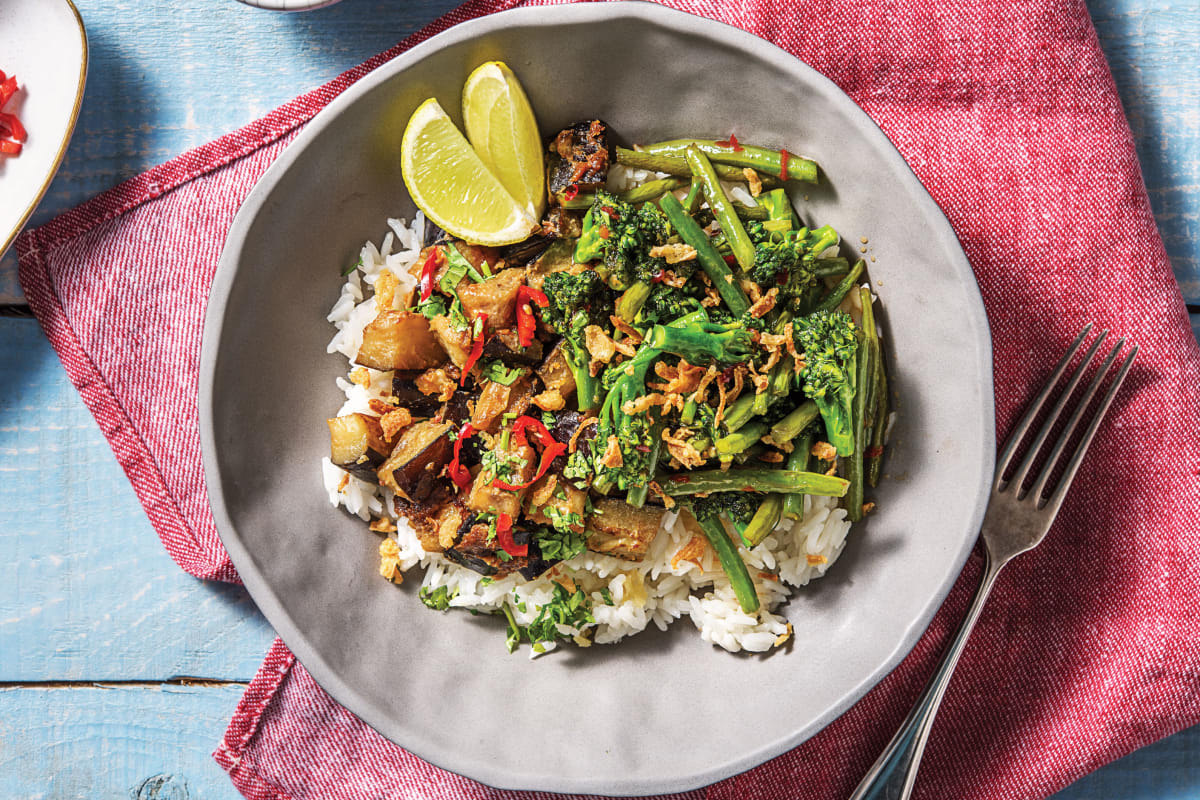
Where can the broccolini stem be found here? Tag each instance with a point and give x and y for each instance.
(862, 387)
(764, 520)
(677, 165)
(632, 300)
(746, 436)
(710, 261)
(731, 562)
(688, 415)
(650, 190)
(779, 208)
(731, 226)
(587, 387)
(702, 344)
(794, 423)
(754, 480)
(636, 496)
(839, 292)
(781, 377)
(757, 158)
(793, 504)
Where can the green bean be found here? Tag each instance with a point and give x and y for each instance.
(738, 413)
(677, 165)
(771, 162)
(798, 459)
(864, 368)
(754, 480)
(710, 261)
(731, 226)
(731, 562)
(650, 190)
(744, 437)
(795, 422)
(764, 520)
(839, 292)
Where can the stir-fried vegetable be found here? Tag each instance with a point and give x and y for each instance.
(663, 346)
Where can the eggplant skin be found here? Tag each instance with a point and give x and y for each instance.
(419, 404)
(356, 444)
(506, 347)
(415, 466)
(579, 156)
(472, 550)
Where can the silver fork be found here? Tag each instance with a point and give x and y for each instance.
(1016, 521)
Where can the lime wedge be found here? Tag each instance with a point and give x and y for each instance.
(504, 132)
(449, 182)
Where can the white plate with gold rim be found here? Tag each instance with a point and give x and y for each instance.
(42, 43)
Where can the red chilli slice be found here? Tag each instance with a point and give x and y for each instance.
(784, 155)
(551, 449)
(457, 472)
(731, 143)
(526, 323)
(428, 271)
(504, 537)
(476, 347)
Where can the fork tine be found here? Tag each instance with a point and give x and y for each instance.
(1022, 427)
(1024, 469)
(1056, 498)
(1039, 484)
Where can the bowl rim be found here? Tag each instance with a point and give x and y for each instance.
(506, 776)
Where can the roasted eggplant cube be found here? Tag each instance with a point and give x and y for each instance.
(579, 156)
(507, 347)
(356, 444)
(556, 373)
(415, 465)
(496, 297)
(620, 530)
(419, 404)
(399, 340)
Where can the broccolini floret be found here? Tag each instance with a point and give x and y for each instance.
(666, 303)
(620, 236)
(737, 507)
(569, 293)
(633, 432)
(830, 347)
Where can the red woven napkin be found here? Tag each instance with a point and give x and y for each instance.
(1090, 645)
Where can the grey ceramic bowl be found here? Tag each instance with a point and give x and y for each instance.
(660, 712)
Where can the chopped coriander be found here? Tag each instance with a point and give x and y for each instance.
(356, 265)
(497, 372)
(438, 599)
(560, 545)
(607, 595)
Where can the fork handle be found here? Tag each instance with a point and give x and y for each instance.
(893, 774)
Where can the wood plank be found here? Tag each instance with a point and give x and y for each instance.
(94, 743)
(1150, 45)
(1166, 770)
(86, 589)
(120, 742)
(167, 77)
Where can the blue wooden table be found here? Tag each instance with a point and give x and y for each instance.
(118, 671)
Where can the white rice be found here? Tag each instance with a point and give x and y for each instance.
(653, 591)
